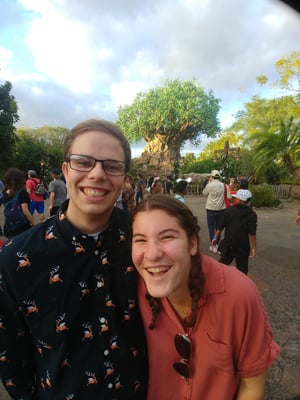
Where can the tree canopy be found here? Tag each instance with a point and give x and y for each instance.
(8, 117)
(167, 116)
(271, 127)
(40, 149)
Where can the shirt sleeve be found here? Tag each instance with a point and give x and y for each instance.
(255, 347)
(24, 197)
(16, 366)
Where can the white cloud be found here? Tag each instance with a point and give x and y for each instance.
(69, 60)
(61, 51)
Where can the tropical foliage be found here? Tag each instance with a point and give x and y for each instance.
(8, 118)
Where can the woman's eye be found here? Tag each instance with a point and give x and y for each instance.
(168, 237)
(138, 241)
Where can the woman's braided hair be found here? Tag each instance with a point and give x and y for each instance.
(189, 224)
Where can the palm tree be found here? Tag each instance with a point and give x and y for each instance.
(281, 146)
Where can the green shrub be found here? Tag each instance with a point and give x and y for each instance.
(263, 196)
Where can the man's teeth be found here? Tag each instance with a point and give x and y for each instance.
(157, 270)
(94, 192)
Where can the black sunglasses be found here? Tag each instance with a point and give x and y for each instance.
(183, 346)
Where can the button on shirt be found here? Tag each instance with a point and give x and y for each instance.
(70, 327)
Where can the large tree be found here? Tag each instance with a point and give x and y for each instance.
(167, 116)
(8, 117)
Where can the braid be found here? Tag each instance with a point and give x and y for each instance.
(155, 305)
(196, 285)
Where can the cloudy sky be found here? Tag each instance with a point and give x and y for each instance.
(69, 60)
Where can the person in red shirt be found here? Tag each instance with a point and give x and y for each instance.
(207, 332)
(36, 200)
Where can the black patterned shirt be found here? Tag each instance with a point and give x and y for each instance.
(69, 321)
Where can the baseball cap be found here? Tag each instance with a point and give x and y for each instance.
(243, 194)
(31, 172)
(215, 173)
(56, 171)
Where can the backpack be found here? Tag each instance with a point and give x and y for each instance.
(14, 218)
(40, 189)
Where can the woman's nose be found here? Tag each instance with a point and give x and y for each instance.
(153, 251)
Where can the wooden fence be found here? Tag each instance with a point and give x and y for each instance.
(281, 191)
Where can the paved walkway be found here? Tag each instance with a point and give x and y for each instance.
(276, 271)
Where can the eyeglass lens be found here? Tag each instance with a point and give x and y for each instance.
(86, 163)
(184, 349)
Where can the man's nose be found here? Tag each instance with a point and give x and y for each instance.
(98, 169)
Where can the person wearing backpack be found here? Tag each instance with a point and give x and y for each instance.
(36, 200)
(57, 190)
(17, 217)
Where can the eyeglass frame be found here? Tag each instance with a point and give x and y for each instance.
(185, 357)
(95, 160)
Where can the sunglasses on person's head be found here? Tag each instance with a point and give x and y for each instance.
(183, 346)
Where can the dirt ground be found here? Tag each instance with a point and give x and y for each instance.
(276, 272)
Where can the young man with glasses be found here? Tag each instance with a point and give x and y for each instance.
(208, 335)
(70, 322)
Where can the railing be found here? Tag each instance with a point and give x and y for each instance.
(194, 190)
(282, 191)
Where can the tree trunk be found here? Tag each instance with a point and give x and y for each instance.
(289, 164)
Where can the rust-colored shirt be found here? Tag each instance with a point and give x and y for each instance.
(231, 338)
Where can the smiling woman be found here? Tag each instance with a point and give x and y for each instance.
(207, 331)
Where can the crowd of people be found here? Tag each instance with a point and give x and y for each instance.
(27, 193)
(110, 296)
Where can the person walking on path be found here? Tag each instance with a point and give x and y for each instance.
(215, 205)
(36, 200)
(14, 186)
(240, 223)
(156, 186)
(128, 194)
(57, 192)
(169, 186)
(181, 190)
(139, 189)
(71, 327)
(207, 331)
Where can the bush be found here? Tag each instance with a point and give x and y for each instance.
(263, 196)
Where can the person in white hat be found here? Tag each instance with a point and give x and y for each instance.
(216, 192)
(240, 223)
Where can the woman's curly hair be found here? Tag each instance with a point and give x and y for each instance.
(189, 224)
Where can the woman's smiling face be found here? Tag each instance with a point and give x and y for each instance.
(161, 252)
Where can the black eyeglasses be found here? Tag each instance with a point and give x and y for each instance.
(183, 346)
(79, 162)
